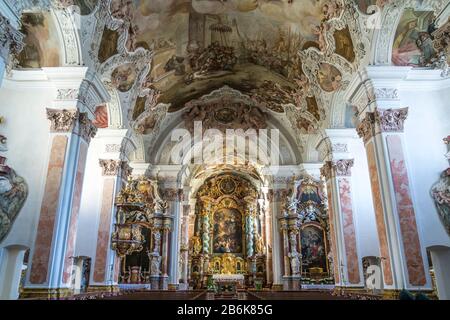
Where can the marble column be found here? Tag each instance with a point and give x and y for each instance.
(52, 255)
(184, 248)
(346, 259)
(106, 265)
(403, 258)
(275, 206)
(267, 234)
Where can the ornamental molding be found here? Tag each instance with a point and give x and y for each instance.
(62, 121)
(67, 94)
(339, 147)
(386, 94)
(113, 148)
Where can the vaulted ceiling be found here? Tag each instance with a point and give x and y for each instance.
(289, 58)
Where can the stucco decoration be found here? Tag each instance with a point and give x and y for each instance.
(441, 193)
(13, 193)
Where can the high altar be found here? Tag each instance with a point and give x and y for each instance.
(228, 234)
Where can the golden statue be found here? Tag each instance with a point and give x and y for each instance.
(228, 264)
(259, 245)
(196, 245)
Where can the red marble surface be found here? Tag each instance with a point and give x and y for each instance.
(406, 214)
(68, 262)
(104, 231)
(345, 196)
(49, 207)
(333, 234)
(379, 215)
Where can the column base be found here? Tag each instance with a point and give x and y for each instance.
(154, 282)
(46, 293)
(164, 283)
(292, 283)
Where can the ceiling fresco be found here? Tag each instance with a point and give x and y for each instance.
(41, 42)
(413, 45)
(251, 46)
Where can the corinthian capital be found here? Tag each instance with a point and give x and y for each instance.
(343, 168)
(87, 128)
(11, 40)
(62, 120)
(110, 167)
(339, 168)
(366, 127)
(392, 120)
(327, 170)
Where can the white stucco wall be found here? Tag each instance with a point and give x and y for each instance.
(427, 124)
(366, 230)
(27, 129)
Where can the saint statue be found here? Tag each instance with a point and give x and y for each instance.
(155, 265)
(259, 245)
(295, 263)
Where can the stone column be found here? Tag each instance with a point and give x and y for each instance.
(52, 256)
(346, 258)
(106, 265)
(403, 259)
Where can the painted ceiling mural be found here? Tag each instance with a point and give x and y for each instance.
(289, 57)
(41, 42)
(251, 46)
(413, 45)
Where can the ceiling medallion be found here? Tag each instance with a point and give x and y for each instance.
(227, 186)
(225, 115)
